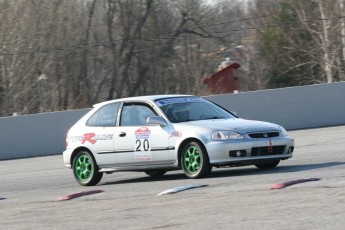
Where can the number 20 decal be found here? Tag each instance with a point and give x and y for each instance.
(142, 145)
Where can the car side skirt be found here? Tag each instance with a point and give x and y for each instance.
(139, 168)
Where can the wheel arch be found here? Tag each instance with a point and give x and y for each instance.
(77, 150)
(183, 143)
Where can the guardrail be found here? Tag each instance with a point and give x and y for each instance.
(294, 108)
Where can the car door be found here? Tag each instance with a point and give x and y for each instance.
(136, 142)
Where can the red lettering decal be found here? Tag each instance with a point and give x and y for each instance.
(142, 130)
(88, 137)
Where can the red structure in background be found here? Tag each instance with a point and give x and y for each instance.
(224, 81)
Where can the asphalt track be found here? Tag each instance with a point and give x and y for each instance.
(235, 198)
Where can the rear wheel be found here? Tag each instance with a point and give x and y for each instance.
(268, 165)
(195, 161)
(85, 169)
(154, 173)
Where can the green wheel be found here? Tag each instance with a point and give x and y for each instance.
(268, 165)
(194, 160)
(85, 169)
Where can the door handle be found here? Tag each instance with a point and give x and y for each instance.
(122, 134)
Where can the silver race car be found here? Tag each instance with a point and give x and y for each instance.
(156, 134)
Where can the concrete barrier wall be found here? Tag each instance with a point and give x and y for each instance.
(294, 108)
(36, 135)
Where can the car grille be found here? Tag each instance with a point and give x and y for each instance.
(264, 135)
(264, 151)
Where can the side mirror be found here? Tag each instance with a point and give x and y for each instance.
(157, 121)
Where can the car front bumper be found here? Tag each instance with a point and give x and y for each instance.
(249, 150)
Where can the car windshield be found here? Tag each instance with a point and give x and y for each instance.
(182, 109)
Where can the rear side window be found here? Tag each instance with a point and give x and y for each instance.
(105, 116)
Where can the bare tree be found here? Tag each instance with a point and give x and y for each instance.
(62, 54)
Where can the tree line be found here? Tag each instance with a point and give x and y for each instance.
(61, 54)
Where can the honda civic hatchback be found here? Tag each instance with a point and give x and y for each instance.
(156, 134)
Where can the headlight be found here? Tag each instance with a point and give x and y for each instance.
(283, 131)
(226, 135)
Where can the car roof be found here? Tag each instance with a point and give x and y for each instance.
(142, 98)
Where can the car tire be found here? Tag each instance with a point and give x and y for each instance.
(195, 161)
(268, 165)
(155, 173)
(85, 169)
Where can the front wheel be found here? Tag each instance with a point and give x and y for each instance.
(268, 165)
(85, 169)
(195, 161)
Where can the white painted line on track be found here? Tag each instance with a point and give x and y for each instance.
(181, 188)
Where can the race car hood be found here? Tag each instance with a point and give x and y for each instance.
(239, 125)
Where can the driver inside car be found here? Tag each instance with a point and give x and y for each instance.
(181, 114)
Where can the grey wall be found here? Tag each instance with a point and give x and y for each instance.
(294, 108)
(36, 135)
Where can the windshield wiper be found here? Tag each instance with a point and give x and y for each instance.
(211, 118)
